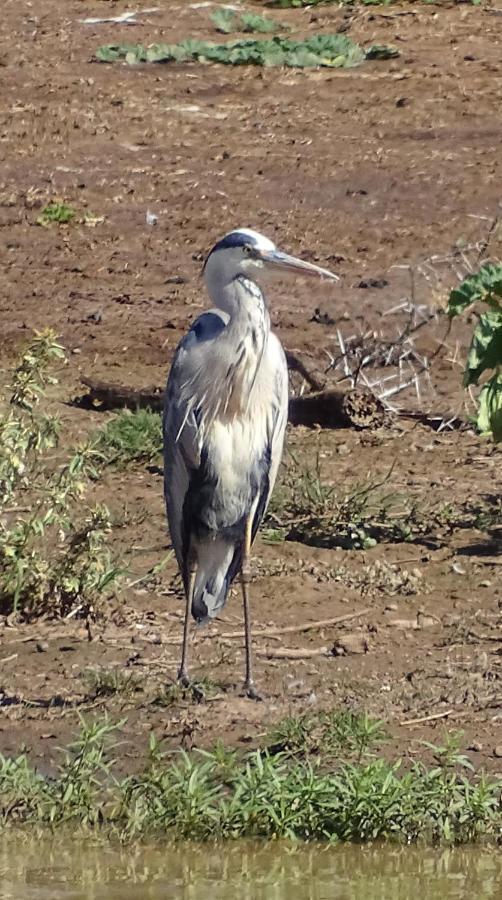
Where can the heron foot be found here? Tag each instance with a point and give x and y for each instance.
(183, 678)
(249, 690)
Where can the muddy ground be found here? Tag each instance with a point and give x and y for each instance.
(390, 164)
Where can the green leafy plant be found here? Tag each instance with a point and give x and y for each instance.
(224, 20)
(334, 50)
(51, 556)
(485, 352)
(56, 213)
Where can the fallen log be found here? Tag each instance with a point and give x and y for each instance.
(357, 408)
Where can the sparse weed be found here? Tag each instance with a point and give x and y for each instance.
(328, 734)
(110, 683)
(198, 691)
(313, 512)
(131, 437)
(222, 794)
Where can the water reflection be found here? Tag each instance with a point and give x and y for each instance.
(82, 869)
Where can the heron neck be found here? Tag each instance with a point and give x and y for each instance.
(245, 303)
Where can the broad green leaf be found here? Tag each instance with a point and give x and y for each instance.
(485, 285)
(489, 418)
(485, 351)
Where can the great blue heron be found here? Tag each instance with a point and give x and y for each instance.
(226, 407)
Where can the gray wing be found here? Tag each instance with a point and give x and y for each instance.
(182, 446)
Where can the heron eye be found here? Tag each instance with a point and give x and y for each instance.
(248, 250)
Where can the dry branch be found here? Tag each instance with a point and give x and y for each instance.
(357, 408)
(304, 626)
(419, 721)
(292, 653)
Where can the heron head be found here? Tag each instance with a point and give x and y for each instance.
(246, 252)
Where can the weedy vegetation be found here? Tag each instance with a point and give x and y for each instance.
(53, 550)
(263, 794)
(485, 352)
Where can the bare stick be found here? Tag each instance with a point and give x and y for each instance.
(291, 653)
(440, 715)
(305, 626)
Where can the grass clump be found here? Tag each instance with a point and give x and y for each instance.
(53, 552)
(222, 794)
(131, 437)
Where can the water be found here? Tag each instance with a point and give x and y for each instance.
(63, 868)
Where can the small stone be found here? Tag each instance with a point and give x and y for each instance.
(155, 638)
(485, 583)
(475, 746)
(42, 646)
(391, 607)
(350, 643)
(498, 751)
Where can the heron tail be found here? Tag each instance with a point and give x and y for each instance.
(215, 558)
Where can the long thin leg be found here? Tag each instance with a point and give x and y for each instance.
(249, 686)
(183, 669)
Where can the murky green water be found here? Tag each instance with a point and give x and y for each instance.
(61, 868)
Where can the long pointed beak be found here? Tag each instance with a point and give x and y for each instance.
(283, 261)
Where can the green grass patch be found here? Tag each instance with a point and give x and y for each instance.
(131, 437)
(333, 50)
(261, 794)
